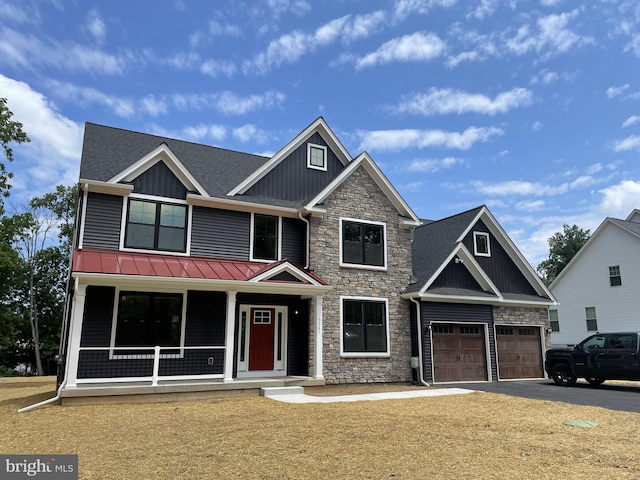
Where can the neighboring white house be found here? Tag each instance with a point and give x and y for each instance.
(599, 290)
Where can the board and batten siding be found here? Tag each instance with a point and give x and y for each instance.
(102, 221)
(586, 284)
(220, 233)
(159, 181)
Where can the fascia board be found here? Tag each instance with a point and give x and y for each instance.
(105, 187)
(198, 284)
(153, 157)
(319, 125)
(240, 206)
(476, 300)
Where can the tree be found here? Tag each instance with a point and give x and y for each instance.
(10, 131)
(563, 246)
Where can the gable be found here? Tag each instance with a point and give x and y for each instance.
(160, 181)
(456, 275)
(291, 179)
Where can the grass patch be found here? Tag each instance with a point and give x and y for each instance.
(475, 436)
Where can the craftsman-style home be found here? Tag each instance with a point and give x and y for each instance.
(197, 268)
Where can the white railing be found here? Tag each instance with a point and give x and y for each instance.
(131, 364)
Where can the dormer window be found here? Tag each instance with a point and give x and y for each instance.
(481, 244)
(316, 157)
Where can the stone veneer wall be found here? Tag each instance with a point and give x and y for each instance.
(360, 198)
(524, 316)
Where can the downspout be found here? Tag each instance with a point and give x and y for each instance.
(307, 253)
(419, 331)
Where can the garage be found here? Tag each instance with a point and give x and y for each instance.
(519, 352)
(459, 353)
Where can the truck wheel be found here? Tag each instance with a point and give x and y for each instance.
(595, 381)
(562, 375)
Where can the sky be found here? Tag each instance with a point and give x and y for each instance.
(531, 107)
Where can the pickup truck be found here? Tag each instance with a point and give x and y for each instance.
(600, 357)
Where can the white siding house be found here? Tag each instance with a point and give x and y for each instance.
(599, 290)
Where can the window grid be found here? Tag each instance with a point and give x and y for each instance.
(156, 226)
(592, 322)
(615, 279)
(364, 326)
(363, 244)
(554, 323)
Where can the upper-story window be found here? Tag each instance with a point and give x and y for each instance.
(614, 276)
(316, 157)
(156, 226)
(363, 244)
(481, 246)
(265, 244)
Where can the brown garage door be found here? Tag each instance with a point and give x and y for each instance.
(458, 353)
(519, 352)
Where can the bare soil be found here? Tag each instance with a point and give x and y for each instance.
(474, 436)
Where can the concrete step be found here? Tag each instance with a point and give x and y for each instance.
(273, 391)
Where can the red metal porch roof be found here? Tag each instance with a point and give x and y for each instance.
(130, 263)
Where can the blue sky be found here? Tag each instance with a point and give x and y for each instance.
(531, 107)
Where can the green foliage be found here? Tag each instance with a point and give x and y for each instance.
(10, 131)
(563, 246)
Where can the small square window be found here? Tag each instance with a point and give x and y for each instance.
(316, 157)
(481, 244)
(615, 279)
(553, 320)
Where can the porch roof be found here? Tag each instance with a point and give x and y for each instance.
(112, 262)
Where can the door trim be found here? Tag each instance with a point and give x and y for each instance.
(279, 344)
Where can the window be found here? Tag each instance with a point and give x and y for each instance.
(316, 157)
(364, 326)
(592, 322)
(594, 343)
(156, 226)
(614, 276)
(363, 243)
(554, 323)
(481, 244)
(265, 237)
(149, 319)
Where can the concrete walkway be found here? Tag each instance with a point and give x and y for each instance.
(297, 395)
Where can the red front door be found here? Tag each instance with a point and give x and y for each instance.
(261, 338)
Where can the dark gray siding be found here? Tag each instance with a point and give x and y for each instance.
(98, 317)
(455, 312)
(103, 221)
(500, 268)
(159, 181)
(294, 238)
(292, 180)
(456, 275)
(220, 233)
(298, 339)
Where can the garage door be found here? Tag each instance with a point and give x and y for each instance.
(519, 352)
(459, 353)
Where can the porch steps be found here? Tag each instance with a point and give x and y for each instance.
(275, 391)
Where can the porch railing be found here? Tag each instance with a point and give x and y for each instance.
(149, 364)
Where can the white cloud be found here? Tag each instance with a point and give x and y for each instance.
(530, 205)
(21, 14)
(250, 133)
(181, 60)
(632, 142)
(53, 155)
(228, 102)
(217, 28)
(448, 101)
(537, 126)
(417, 47)
(153, 106)
(432, 165)
(484, 9)
(632, 120)
(84, 96)
(613, 92)
(363, 26)
(216, 68)
(403, 8)
(96, 26)
(402, 139)
(198, 132)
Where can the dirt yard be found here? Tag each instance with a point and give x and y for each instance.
(474, 436)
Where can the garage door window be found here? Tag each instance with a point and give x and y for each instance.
(364, 327)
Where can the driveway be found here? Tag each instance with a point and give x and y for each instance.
(615, 396)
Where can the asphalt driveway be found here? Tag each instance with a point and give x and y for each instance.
(615, 396)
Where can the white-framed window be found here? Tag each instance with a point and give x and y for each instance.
(148, 319)
(554, 323)
(364, 327)
(316, 157)
(363, 244)
(481, 247)
(592, 321)
(615, 279)
(265, 237)
(154, 224)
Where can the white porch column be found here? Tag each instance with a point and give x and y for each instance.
(229, 331)
(317, 368)
(75, 333)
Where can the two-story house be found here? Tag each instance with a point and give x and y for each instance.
(197, 268)
(597, 289)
